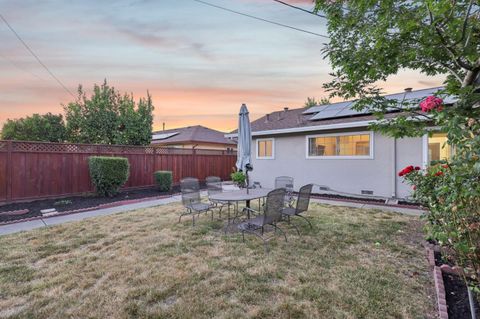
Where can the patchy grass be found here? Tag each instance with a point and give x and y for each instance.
(354, 264)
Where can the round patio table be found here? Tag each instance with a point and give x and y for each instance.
(240, 196)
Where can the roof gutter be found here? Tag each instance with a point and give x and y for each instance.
(308, 128)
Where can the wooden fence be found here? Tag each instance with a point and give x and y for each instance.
(33, 170)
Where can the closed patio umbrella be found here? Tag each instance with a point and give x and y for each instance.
(244, 142)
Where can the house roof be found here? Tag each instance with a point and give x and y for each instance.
(190, 134)
(324, 117)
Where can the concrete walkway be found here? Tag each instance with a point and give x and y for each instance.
(55, 220)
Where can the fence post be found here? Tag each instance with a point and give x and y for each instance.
(9, 171)
(194, 160)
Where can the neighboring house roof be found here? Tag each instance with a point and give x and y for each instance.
(190, 134)
(326, 117)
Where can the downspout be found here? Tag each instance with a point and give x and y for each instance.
(394, 154)
(394, 168)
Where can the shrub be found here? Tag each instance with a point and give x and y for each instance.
(164, 180)
(108, 174)
(238, 177)
(451, 193)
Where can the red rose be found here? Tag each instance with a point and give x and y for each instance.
(445, 166)
(414, 187)
(439, 173)
(406, 170)
(431, 103)
(417, 168)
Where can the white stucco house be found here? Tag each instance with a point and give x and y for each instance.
(331, 145)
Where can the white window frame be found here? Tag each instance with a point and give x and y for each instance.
(273, 148)
(352, 157)
(425, 159)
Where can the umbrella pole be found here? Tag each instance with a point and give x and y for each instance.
(246, 179)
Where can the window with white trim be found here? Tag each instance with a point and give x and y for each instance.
(438, 149)
(341, 145)
(265, 148)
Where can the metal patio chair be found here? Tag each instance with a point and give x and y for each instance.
(214, 186)
(287, 183)
(271, 215)
(190, 189)
(301, 205)
(256, 185)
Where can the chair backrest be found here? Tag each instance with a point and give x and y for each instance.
(274, 206)
(284, 182)
(190, 188)
(214, 185)
(303, 199)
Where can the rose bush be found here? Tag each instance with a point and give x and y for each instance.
(451, 193)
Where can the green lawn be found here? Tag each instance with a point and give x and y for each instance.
(354, 264)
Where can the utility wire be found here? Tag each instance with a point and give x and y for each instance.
(36, 57)
(261, 19)
(301, 9)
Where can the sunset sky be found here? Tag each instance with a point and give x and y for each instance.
(199, 63)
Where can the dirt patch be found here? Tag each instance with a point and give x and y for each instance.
(457, 297)
(365, 200)
(73, 203)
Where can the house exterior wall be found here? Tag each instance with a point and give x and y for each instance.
(378, 174)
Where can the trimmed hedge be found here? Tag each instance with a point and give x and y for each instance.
(164, 180)
(108, 174)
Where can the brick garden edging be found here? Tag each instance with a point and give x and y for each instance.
(81, 210)
(440, 290)
(438, 279)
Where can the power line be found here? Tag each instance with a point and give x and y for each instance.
(261, 19)
(36, 57)
(301, 9)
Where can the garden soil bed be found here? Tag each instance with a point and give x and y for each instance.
(457, 297)
(72, 203)
(456, 293)
(365, 200)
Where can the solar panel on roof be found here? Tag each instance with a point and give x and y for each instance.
(319, 108)
(343, 109)
(337, 110)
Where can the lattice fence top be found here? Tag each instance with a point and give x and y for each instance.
(3, 146)
(44, 147)
(212, 152)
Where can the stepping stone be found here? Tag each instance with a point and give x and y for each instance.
(49, 211)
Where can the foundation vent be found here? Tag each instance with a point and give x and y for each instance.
(367, 192)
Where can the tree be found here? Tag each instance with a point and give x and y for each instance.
(311, 101)
(371, 40)
(107, 117)
(47, 127)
